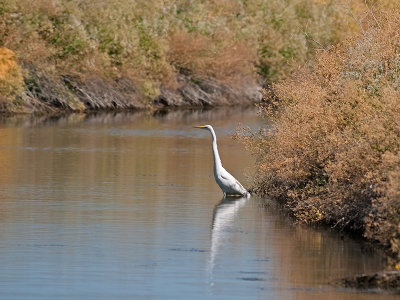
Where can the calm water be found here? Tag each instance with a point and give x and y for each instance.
(125, 206)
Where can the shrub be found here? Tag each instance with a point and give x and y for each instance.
(150, 41)
(11, 80)
(226, 60)
(332, 153)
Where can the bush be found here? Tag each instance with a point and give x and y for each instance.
(332, 153)
(151, 41)
(228, 60)
(11, 80)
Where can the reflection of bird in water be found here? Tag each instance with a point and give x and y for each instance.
(224, 214)
(228, 184)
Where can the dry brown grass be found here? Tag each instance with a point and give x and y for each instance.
(333, 152)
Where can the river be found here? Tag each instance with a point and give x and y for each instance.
(125, 206)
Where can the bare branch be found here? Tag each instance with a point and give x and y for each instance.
(354, 17)
(372, 14)
(310, 38)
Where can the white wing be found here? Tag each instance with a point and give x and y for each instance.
(232, 185)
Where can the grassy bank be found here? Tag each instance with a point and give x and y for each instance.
(332, 152)
(147, 44)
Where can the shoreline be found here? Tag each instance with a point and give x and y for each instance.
(46, 94)
(382, 281)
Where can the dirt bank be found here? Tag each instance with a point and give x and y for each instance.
(388, 280)
(45, 93)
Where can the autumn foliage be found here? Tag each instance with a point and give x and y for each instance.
(11, 80)
(331, 148)
(150, 42)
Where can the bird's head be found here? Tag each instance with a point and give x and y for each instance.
(208, 127)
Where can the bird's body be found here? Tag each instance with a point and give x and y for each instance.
(228, 184)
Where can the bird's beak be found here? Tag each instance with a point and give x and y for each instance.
(199, 126)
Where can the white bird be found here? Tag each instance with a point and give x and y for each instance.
(228, 184)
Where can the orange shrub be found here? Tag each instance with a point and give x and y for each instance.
(11, 80)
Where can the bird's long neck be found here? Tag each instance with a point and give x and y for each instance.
(217, 160)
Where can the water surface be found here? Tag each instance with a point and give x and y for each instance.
(124, 206)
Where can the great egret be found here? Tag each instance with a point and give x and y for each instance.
(228, 184)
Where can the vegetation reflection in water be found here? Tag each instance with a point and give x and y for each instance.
(125, 205)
